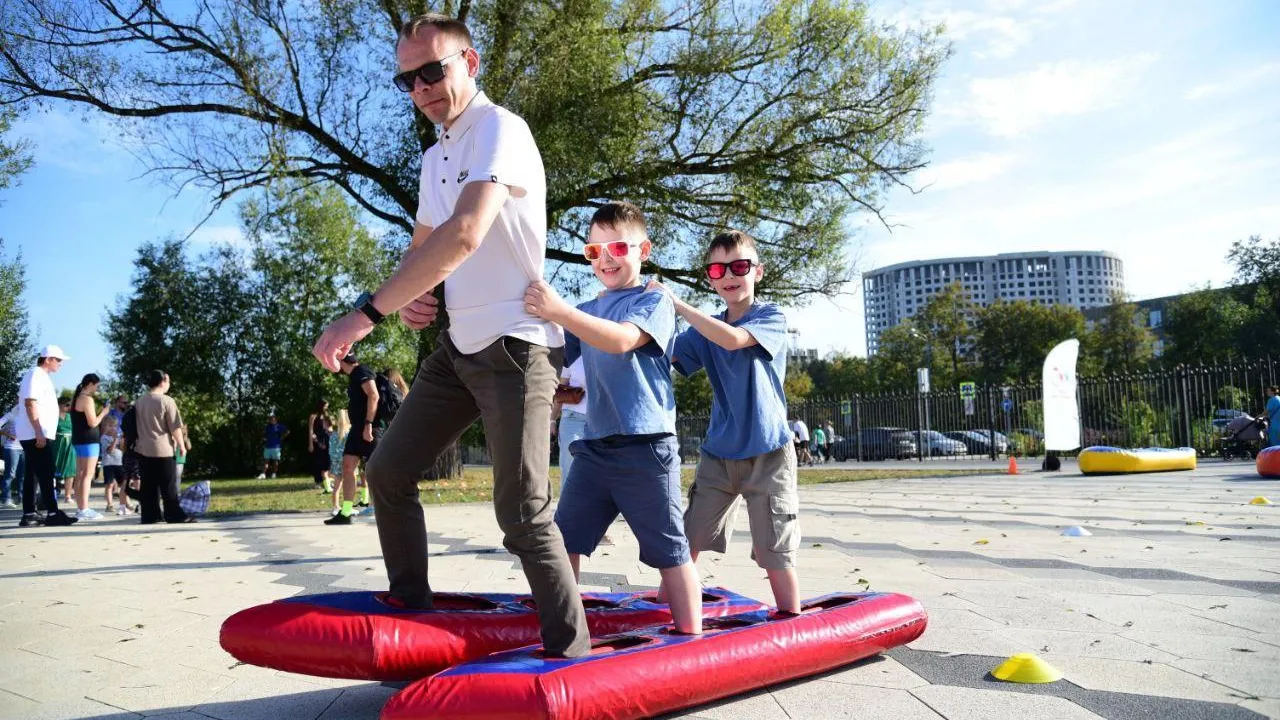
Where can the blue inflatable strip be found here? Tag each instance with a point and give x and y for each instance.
(524, 661)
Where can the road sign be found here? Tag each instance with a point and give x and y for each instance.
(968, 391)
(922, 379)
(846, 409)
(1007, 404)
(968, 406)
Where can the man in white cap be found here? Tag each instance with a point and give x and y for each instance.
(37, 426)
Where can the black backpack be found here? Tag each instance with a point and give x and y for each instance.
(389, 399)
(129, 428)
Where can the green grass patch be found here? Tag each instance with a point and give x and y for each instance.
(300, 494)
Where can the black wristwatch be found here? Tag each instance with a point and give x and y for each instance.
(364, 304)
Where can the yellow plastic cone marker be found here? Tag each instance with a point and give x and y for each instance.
(1260, 500)
(1026, 668)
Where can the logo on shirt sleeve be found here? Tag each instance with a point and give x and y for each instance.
(463, 176)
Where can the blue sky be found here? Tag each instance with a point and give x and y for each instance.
(1151, 129)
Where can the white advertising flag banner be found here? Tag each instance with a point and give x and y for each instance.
(1061, 411)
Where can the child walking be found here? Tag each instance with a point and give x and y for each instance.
(749, 449)
(628, 460)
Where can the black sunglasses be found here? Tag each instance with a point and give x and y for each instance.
(431, 73)
(715, 271)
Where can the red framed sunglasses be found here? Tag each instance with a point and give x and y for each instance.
(617, 249)
(715, 271)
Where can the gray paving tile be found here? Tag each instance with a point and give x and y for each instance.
(956, 703)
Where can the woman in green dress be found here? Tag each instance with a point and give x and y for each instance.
(64, 455)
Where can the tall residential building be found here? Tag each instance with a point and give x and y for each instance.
(1081, 279)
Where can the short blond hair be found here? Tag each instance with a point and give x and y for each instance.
(621, 216)
(450, 27)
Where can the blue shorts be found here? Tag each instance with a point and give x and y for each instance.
(638, 476)
(88, 450)
(271, 454)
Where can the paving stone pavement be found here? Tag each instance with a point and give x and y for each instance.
(1169, 610)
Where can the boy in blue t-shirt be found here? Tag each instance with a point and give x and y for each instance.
(628, 460)
(749, 449)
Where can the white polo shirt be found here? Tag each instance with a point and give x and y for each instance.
(485, 295)
(37, 384)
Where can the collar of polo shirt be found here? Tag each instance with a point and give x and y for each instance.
(468, 118)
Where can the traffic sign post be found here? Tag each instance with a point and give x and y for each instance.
(968, 390)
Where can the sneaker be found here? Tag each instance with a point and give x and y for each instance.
(334, 511)
(362, 504)
(110, 508)
(366, 511)
(273, 476)
(59, 519)
(89, 514)
(339, 519)
(29, 521)
(122, 510)
(262, 476)
(8, 505)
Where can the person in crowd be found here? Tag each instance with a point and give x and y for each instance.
(86, 437)
(111, 456)
(569, 414)
(37, 426)
(64, 453)
(749, 450)
(629, 460)
(160, 430)
(15, 467)
(119, 405)
(273, 440)
(1272, 411)
(337, 441)
(180, 450)
(819, 443)
(801, 431)
(318, 442)
(362, 410)
(831, 441)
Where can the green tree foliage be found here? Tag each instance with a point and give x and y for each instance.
(15, 157)
(16, 350)
(234, 328)
(693, 394)
(946, 322)
(1012, 339)
(797, 387)
(1205, 325)
(1120, 341)
(776, 118)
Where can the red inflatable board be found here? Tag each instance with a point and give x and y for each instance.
(656, 671)
(1269, 462)
(358, 635)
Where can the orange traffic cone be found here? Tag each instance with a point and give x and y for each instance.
(1013, 465)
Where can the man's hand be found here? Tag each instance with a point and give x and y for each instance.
(542, 300)
(421, 312)
(368, 432)
(40, 441)
(338, 339)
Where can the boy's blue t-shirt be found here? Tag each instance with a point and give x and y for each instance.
(275, 432)
(629, 393)
(749, 407)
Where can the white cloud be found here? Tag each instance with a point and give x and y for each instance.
(82, 142)
(1014, 105)
(970, 170)
(1243, 80)
(211, 235)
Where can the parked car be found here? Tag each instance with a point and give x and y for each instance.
(977, 442)
(879, 443)
(935, 443)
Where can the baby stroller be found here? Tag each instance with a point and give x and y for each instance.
(1243, 438)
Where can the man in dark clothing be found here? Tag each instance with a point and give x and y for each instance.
(362, 410)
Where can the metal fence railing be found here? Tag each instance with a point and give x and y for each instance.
(1184, 406)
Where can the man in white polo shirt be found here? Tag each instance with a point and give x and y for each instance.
(481, 223)
(37, 426)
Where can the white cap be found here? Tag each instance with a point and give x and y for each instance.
(53, 351)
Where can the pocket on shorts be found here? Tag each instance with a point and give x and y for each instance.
(665, 452)
(784, 510)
